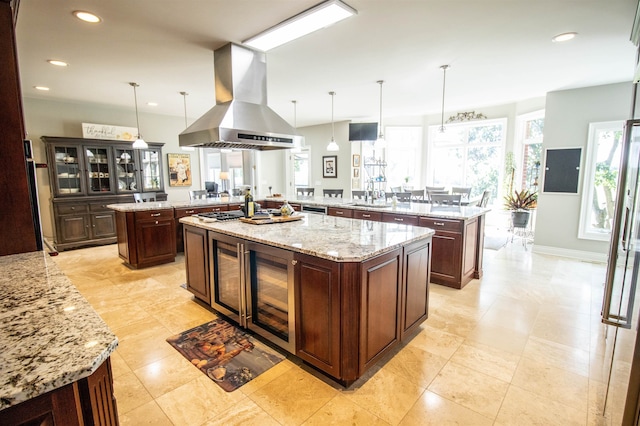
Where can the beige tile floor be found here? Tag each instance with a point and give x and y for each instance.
(522, 346)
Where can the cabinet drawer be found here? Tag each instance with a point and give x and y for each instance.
(99, 207)
(187, 211)
(333, 211)
(441, 224)
(72, 208)
(216, 208)
(400, 218)
(154, 215)
(367, 215)
(237, 206)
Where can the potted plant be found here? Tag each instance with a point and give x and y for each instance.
(520, 202)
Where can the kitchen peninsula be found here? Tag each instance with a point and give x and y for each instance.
(339, 293)
(55, 366)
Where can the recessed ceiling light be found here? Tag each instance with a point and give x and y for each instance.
(87, 16)
(43, 88)
(564, 37)
(57, 63)
(152, 103)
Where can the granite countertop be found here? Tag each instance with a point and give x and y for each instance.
(49, 333)
(334, 238)
(416, 209)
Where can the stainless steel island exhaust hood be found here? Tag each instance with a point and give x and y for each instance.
(241, 118)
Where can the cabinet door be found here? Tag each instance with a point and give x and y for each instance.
(126, 169)
(72, 228)
(446, 259)
(151, 169)
(317, 290)
(67, 173)
(156, 241)
(197, 262)
(103, 225)
(415, 275)
(381, 304)
(99, 170)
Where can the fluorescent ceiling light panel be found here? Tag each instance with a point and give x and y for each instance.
(310, 20)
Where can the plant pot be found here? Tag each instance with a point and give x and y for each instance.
(520, 219)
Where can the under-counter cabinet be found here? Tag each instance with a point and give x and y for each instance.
(146, 237)
(196, 262)
(85, 175)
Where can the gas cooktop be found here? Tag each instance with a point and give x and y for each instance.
(222, 216)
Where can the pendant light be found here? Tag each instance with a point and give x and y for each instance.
(333, 146)
(297, 145)
(139, 142)
(380, 142)
(184, 96)
(442, 130)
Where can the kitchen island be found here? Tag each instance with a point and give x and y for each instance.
(339, 293)
(145, 236)
(54, 365)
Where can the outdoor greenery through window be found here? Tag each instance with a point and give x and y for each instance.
(532, 126)
(600, 180)
(470, 155)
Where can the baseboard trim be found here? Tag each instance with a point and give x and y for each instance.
(587, 256)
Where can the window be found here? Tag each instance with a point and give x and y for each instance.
(301, 171)
(470, 156)
(402, 156)
(600, 180)
(530, 127)
(215, 161)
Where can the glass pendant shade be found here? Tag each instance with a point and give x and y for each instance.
(333, 145)
(139, 142)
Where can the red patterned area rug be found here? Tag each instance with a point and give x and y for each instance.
(229, 356)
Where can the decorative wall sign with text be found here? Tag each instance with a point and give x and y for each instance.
(107, 131)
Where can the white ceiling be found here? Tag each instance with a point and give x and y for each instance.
(500, 51)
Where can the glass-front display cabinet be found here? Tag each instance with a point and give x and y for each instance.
(98, 170)
(126, 169)
(67, 174)
(151, 171)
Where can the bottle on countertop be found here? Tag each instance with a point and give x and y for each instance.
(249, 207)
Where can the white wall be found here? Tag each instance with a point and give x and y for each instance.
(567, 117)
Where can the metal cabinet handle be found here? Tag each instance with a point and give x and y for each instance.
(155, 214)
(438, 223)
(156, 222)
(398, 219)
(366, 215)
(294, 262)
(190, 211)
(73, 208)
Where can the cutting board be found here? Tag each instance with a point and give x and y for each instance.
(272, 219)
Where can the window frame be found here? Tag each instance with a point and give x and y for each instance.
(589, 169)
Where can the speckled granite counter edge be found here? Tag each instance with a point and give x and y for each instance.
(50, 334)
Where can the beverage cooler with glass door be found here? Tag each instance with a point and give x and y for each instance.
(252, 284)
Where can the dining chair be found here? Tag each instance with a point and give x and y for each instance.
(143, 197)
(304, 192)
(198, 195)
(446, 199)
(431, 192)
(417, 195)
(332, 193)
(462, 190)
(358, 195)
(402, 197)
(485, 199)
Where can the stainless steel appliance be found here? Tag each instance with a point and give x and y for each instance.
(623, 271)
(252, 284)
(241, 118)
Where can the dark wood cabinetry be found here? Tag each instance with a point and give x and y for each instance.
(455, 259)
(89, 401)
(367, 215)
(190, 211)
(146, 238)
(403, 219)
(86, 175)
(196, 248)
(338, 211)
